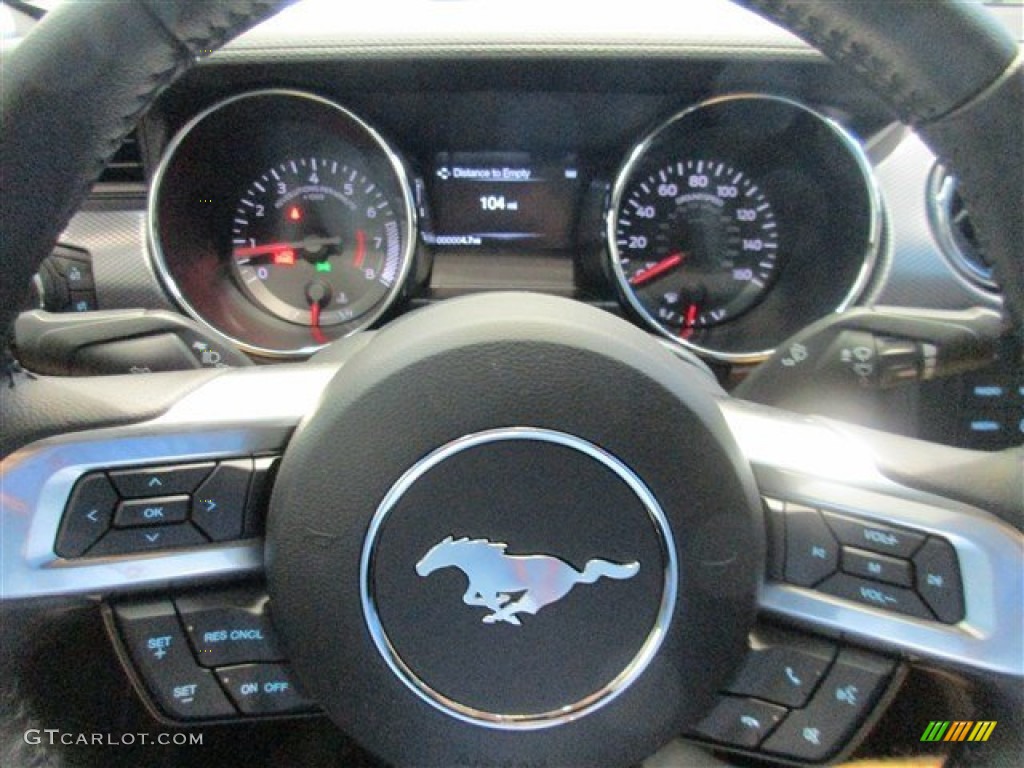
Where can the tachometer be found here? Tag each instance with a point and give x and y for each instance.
(315, 242)
(697, 243)
(285, 235)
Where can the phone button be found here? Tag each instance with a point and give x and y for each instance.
(740, 722)
(783, 667)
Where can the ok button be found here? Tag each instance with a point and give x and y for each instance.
(153, 511)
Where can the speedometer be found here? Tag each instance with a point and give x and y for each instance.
(739, 221)
(697, 243)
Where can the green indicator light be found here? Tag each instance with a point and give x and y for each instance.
(323, 266)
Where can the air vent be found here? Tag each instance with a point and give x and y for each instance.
(125, 167)
(951, 222)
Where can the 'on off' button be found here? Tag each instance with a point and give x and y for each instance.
(263, 689)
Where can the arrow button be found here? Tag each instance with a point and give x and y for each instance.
(218, 505)
(126, 541)
(87, 516)
(160, 481)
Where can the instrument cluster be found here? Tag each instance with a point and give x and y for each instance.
(284, 221)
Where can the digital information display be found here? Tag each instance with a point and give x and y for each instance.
(503, 200)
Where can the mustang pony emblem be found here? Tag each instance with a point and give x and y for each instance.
(511, 584)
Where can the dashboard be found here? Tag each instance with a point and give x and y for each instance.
(290, 192)
(322, 182)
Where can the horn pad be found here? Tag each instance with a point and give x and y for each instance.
(514, 530)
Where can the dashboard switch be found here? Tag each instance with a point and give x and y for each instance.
(868, 565)
(812, 553)
(229, 630)
(938, 580)
(839, 706)
(782, 667)
(160, 481)
(218, 505)
(264, 689)
(740, 722)
(874, 537)
(87, 516)
(181, 689)
(876, 594)
(156, 511)
(130, 541)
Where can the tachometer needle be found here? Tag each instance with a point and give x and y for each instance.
(657, 270)
(309, 244)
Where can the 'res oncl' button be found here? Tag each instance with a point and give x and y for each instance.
(229, 628)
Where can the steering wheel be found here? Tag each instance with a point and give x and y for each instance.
(500, 438)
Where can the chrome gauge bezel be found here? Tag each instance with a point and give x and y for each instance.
(638, 154)
(161, 265)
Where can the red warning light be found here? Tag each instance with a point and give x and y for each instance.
(294, 214)
(286, 256)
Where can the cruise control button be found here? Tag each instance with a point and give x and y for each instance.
(155, 642)
(740, 722)
(874, 537)
(876, 594)
(782, 667)
(811, 551)
(860, 562)
(87, 516)
(264, 689)
(156, 511)
(159, 481)
(218, 505)
(126, 541)
(938, 580)
(229, 634)
(840, 705)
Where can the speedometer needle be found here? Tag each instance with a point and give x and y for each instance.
(657, 270)
(312, 244)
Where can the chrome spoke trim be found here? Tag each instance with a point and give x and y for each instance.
(240, 413)
(816, 463)
(253, 411)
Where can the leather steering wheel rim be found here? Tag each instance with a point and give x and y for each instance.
(945, 68)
